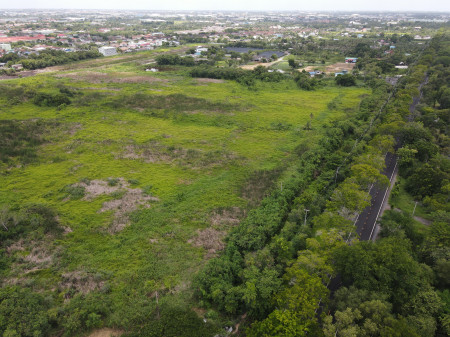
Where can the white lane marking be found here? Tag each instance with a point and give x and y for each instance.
(382, 202)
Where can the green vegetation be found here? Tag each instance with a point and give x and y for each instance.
(275, 269)
(204, 197)
(47, 58)
(118, 185)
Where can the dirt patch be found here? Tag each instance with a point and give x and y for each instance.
(209, 80)
(38, 255)
(210, 239)
(332, 68)
(16, 246)
(127, 199)
(338, 67)
(106, 332)
(81, 282)
(227, 217)
(67, 230)
(29, 257)
(155, 152)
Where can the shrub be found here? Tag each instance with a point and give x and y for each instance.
(346, 80)
(51, 100)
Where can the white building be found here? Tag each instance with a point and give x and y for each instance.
(5, 46)
(107, 51)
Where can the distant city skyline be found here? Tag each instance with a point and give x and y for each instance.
(249, 5)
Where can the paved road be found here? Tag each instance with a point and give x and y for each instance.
(366, 222)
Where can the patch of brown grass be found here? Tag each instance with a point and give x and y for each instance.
(130, 200)
(210, 239)
(209, 80)
(80, 281)
(227, 217)
(156, 152)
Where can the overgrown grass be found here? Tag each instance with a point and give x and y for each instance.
(197, 147)
(405, 202)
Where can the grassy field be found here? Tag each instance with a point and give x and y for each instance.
(148, 171)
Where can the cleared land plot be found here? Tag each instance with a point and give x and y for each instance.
(332, 68)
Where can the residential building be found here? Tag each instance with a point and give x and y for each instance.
(107, 51)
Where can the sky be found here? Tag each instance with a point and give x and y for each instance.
(255, 5)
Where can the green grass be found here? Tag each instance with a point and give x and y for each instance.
(195, 158)
(405, 202)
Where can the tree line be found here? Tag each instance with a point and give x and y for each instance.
(48, 58)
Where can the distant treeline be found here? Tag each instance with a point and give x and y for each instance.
(47, 58)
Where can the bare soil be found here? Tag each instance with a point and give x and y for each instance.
(210, 239)
(130, 200)
(337, 67)
(332, 68)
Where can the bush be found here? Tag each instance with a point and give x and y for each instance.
(23, 313)
(346, 80)
(175, 322)
(305, 81)
(51, 100)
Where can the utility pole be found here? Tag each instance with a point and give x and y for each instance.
(306, 214)
(414, 210)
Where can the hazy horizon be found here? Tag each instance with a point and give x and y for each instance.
(235, 5)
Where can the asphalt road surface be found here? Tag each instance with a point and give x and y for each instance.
(367, 220)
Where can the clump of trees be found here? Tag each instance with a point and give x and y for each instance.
(306, 82)
(168, 59)
(245, 77)
(346, 80)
